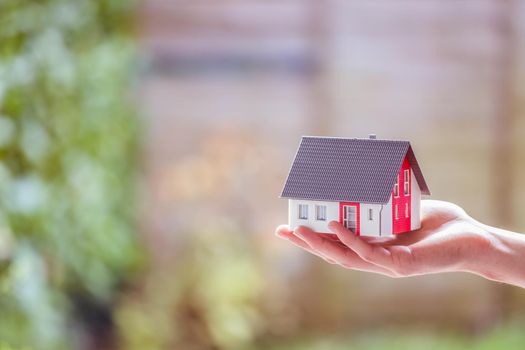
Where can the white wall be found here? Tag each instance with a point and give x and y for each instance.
(386, 219)
(370, 227)
(332, 213)
(381, 225)
(415, 221)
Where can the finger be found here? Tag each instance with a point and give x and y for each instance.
(288, 235)
(375, 254)
(330, 236)
(282, 229)
(337, 252)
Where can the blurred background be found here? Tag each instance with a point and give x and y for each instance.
(143, 146)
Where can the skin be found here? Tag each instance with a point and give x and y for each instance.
(449, 240)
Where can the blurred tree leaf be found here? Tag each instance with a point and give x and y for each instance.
(68, 148)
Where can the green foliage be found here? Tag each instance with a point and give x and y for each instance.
(68, 141)
(510, 337)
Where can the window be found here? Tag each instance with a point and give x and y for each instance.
(350, 217)
(396, 187)
(370, 214)
(406, 210)
(396, 212)
(320, 212)
(407, 181)
(303, 211)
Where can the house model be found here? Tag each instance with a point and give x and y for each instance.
(371, 186)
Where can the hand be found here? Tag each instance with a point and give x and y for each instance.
(448, 240)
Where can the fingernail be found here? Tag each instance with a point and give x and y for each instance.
(279, 234)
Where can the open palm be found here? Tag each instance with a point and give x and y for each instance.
(448, 240)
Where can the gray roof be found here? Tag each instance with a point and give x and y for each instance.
(353, 170)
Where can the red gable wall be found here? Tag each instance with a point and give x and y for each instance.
(402, 223)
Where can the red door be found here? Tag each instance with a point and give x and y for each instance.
(401, 199)
(349, 216)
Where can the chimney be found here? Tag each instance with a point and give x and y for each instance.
(372, 136)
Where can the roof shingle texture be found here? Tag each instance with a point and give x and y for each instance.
(353, 170)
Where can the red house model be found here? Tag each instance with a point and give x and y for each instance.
(371, 186)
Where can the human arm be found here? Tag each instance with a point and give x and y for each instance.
(448, 240)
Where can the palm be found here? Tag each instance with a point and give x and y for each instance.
(439, 245)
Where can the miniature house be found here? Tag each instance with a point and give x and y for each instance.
(371, 186)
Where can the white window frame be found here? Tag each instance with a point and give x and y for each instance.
(370, 214)
(302, 211)
(406, 210)
(350, 217)
(396, 187)
(320, 212)
(406, 184)
(396, 212)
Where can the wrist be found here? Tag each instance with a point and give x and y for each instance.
(502, 256)
(479, 250)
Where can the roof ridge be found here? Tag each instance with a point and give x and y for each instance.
(351, 138)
